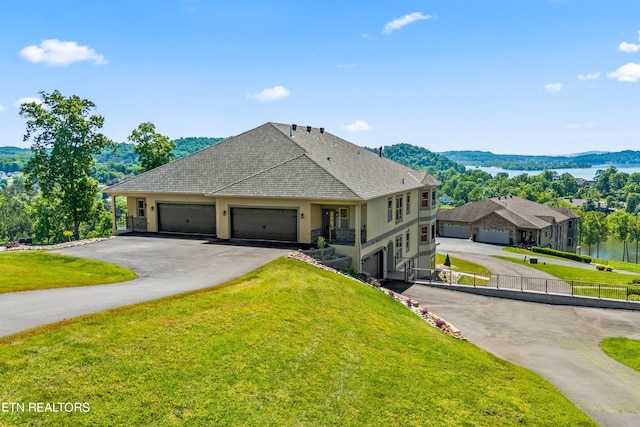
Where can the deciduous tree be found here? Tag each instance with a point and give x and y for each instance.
(153, 149)
(64, 137)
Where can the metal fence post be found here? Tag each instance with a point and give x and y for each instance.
(521, 283)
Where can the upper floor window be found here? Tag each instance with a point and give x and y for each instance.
(408, 209)
(433, 232)
(433, 198)
(424, 200)
(398, 208)
(570, 226)
(389, 209)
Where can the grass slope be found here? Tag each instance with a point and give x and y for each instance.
(458, 264)
(32, 270)
(624, 350)
(288, 344)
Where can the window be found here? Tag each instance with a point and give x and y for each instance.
(433, 232)
(398, 247)
(140, 207)
(408, 209)
(570, 242)
(389, 209)
(398, 208)
(570, 226)
(424, 234)
(408, 241)
(344, 217)
(424, 200)
(433, 198)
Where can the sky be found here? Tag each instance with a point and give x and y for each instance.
(507, 76)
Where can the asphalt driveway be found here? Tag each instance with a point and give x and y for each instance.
(165, 266)
(558, 342)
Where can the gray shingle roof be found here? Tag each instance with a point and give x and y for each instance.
(272, 160)
(522, 213)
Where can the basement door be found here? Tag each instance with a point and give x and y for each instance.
(264, 224)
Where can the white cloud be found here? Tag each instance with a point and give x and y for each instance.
(57, 52)
(592, 76)
(27, 100)
(398, 23)
(358, 126)
(271, 94)
(553, 87)
(346, 65)
(627, 73)
(629, 47)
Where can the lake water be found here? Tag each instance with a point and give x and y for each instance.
(585, 173)
(611, 249)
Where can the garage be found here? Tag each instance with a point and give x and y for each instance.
(187, 218)
(373, 265)
(264, 224)
(457, 230)
(500, 237)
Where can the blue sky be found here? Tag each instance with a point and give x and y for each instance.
(509, 76)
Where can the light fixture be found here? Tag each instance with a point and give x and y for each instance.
(301, 215)
(224, 213)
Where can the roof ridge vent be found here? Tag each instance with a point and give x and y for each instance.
(309, 129)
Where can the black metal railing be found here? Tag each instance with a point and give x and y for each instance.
(531, 284)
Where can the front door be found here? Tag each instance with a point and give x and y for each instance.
(328, 222)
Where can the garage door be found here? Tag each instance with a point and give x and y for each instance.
(264, 224)
(187, 218)
(373, 265)
(500, 237)
(457, 230)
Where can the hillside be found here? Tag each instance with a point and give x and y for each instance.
(418, 158)
(537, 162)
(287, 344)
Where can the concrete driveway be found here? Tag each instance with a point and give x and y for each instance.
(165, 266)
(558, 342)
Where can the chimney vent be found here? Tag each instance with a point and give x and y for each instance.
(321, 130)
(308, 128)
(294, 126)
(380, 151)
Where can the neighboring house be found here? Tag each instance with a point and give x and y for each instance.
(511, 220)
(598, 206)
(292, 183)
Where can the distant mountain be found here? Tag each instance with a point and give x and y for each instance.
(528, 162)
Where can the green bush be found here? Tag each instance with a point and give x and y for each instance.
(600, 267)
(569, 255)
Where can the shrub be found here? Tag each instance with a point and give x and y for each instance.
(569, 255)
(439, 322)
(447, 261)
(609, 268)
(424, 311)
(633, 290)
(635, 281)
(600, 267)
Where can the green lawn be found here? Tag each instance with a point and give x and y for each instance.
(624, 350)
(578, 274)
(616, 265)
(288, 344)
(458, 264)
(32, 270)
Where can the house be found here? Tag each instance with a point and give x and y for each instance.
(292, 183)
(510, 220)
